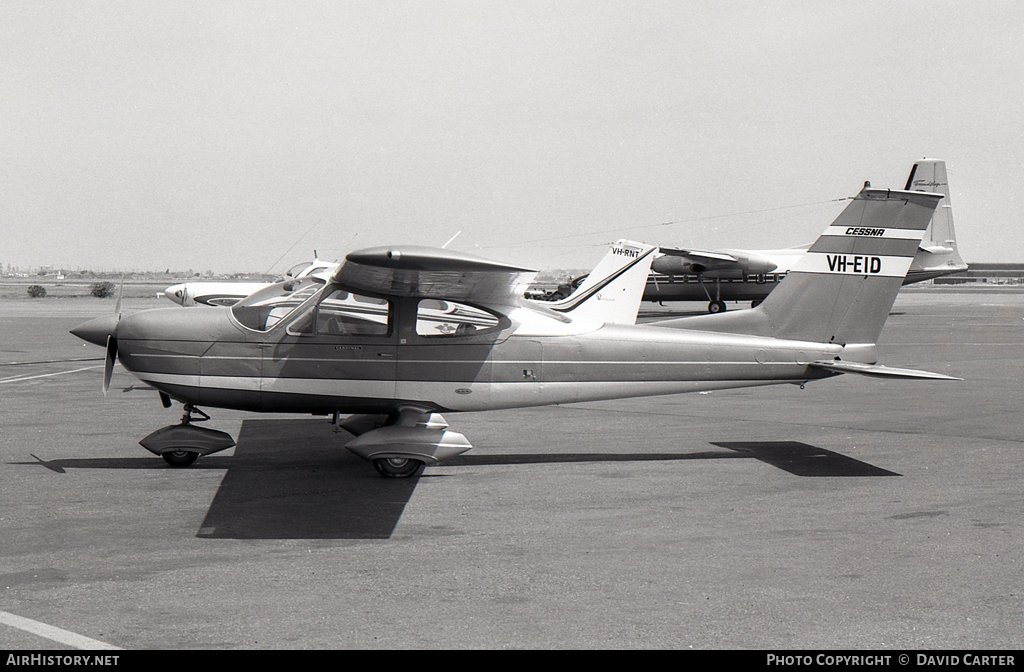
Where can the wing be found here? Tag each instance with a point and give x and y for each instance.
(433, 273)
(698, 255)
(676, 261)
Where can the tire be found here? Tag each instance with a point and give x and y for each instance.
(716, 307)
(397, 467)
(179, 458)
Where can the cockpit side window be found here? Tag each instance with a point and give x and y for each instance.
(342, 313)
(436, 318)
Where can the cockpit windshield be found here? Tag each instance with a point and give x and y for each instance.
(264, 309)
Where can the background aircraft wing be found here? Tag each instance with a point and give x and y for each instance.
(698, 255)
(433, 273)
(726, 263)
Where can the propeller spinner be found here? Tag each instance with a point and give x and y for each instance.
(103, 331)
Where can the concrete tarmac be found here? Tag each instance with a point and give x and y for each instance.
(854, 514)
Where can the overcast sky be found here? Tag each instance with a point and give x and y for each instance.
(236, 136)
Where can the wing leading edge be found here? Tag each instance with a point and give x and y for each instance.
(434, 273)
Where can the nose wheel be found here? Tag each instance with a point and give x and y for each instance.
(183, 457)
(180, 458)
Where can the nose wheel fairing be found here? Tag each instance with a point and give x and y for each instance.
(179, 445)
(200, 440)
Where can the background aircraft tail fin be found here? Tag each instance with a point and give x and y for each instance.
(842, 289)
(613, 290)
(938, 254)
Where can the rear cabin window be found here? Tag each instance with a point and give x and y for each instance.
(435, 318)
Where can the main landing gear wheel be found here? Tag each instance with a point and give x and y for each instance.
(716, 307)
(179, 458)
(397, 467)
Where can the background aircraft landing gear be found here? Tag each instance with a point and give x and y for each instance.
(397, 467)
(716, 304)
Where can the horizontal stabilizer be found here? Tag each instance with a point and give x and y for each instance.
(877, 370)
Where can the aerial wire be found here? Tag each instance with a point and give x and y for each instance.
(267, 272)
(445, 246)
(662, 224)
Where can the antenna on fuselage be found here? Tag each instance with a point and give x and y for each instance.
(267, 272)
(445, 246)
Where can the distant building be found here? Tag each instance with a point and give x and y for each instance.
(998, 274)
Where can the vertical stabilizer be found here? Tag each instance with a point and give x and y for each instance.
(930, 175)
(613, 290)
(842, 289)
(938, 254)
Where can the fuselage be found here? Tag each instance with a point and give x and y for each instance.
(414, 352)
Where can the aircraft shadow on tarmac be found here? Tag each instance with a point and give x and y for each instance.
(801, 459)
(291, 479)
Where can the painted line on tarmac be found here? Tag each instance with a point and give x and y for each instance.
(18, 379)
(56, 634)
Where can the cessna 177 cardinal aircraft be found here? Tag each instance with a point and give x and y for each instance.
(397, 335)
(749, 275)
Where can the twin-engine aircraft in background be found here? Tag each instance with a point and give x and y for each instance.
(395, 336)
(750, 275)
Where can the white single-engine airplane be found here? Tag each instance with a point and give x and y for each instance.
(750, 275)
(397, 335)
(230, 293)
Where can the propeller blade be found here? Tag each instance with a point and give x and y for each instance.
(120, 292)
(111, 358)
(108, 364)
